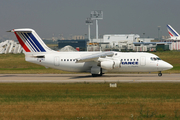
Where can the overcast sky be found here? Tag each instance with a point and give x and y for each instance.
(48, 17)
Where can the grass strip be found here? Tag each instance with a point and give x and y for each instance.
(90, 101)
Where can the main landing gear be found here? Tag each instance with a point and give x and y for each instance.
(96, 75)
(159, 74)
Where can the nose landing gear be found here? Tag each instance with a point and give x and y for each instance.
(159, 74)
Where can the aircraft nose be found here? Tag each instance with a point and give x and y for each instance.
(165, 66)
(168, 66)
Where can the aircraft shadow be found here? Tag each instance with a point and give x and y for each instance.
(82, 76)
(115, 75)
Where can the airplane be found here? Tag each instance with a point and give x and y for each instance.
(173, 34)
(96, 63)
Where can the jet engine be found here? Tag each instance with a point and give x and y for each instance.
(110, 64)
(117, 64)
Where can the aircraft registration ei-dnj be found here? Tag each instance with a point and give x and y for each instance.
(96, 63)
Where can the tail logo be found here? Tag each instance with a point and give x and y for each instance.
(29, 42)
(171, 31)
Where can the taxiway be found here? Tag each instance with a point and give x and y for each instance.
(86, 78)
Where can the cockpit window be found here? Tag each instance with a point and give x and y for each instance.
(155, 58)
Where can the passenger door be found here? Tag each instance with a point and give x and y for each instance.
(56, 61)
(143, 61)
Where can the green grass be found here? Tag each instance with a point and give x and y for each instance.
(57, 92)
(15, 63)
(90, 101)
(86, 101)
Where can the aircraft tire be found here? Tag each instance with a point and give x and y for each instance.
(95, 75)
(159, 74)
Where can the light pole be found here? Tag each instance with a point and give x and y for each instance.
(89, 22)
(158, 32)
(143, 36)
(95, 15)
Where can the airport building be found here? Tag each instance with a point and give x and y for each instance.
(132, 43)
(119, 42)
(175, 44)
(115, 38)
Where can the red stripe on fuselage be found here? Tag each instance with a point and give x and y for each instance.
(22, 43)
(170, 34)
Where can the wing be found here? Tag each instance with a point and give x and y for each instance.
(94, 57)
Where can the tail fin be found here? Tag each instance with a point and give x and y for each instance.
(172, 32)
(30, 41)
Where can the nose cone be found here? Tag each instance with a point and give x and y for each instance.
(164, 66)
(168, 66)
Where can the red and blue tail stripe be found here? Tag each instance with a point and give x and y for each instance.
(29, 42)
(21, 42)
(171, 31)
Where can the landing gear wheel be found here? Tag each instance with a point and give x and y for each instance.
(95, 75)
(160, 74)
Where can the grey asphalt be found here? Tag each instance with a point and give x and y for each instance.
(87, 78)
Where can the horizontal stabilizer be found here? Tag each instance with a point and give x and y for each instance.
(21, 30)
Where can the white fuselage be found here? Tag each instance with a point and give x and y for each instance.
(129, 62)
(96, 63)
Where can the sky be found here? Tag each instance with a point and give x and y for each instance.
(67, 17)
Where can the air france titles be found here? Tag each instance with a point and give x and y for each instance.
(129, 63)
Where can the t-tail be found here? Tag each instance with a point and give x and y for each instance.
(30, 41)
(173, 34)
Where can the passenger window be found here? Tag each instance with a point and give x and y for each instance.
(127, 59)
(121, 59)
(64, 59)
(124, 59)
(137, 59)
(131, 59)
(61, 59)
(70, 59)
(67, 59)
(134, 60)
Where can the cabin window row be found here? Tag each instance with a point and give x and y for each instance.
(129, 59)
(68, 59)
